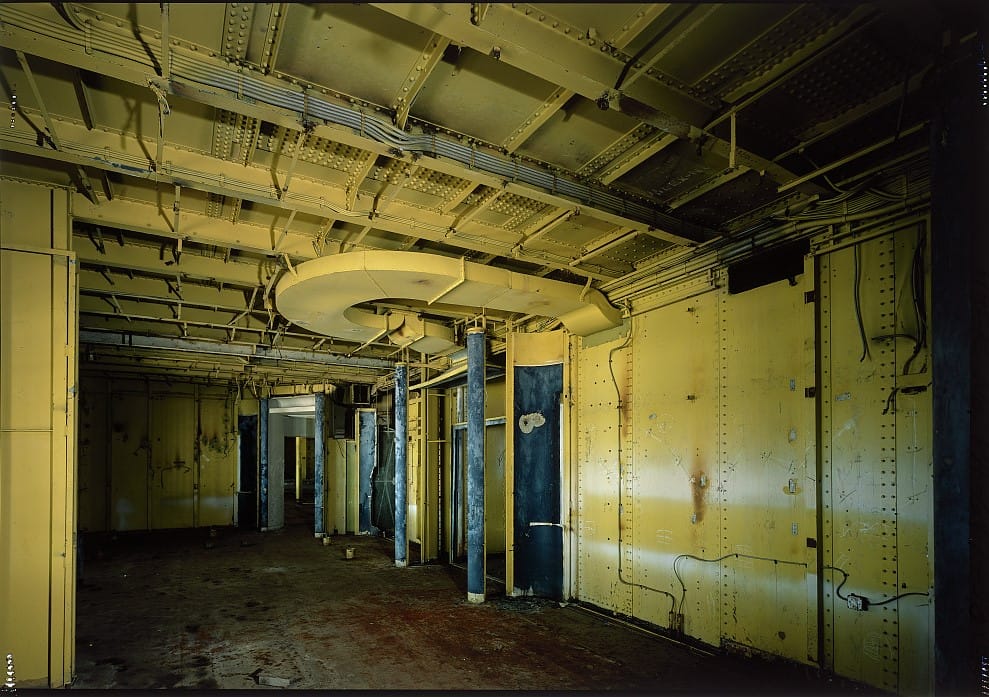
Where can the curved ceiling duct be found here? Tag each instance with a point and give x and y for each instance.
(320, 295)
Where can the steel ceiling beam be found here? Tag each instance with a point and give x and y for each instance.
(582, 68)
(543, 113)
(277, 101)
(150, 260)
(244, 351)
(427, 61)
(206, 173)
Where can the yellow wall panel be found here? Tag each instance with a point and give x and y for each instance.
(414, 472)
(25, 520)
(37, 433)
(596, 452)
(26, 359)
(876, 466)
(217, 461)
(93, 459)
(494, 489)
(338, 451)
(180, 472)
(673, 506)
(173, 425)
(130, 448)
(769, 468)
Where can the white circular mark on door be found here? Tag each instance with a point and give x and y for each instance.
(527, 422)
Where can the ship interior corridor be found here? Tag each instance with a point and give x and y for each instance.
(525, 346)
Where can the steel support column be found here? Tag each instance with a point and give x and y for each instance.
(958, 279)
(263, 465)
(319, 527)
(475, 465)
(401, 462)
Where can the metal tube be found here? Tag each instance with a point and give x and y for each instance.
(319, 527)
(401, 462)
(263, 465)
(475, 465)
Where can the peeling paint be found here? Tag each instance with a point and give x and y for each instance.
(528, 422)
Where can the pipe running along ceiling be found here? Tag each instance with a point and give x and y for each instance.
(320, 295)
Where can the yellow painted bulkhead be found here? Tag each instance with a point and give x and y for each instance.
(38, 345)
(156, 455)
(705, 501)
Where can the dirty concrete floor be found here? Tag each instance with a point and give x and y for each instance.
(184, 609)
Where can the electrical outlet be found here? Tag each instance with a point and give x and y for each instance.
(857, 602)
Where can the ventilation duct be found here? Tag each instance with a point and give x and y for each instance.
(321, 294)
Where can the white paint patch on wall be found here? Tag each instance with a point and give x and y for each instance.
(528, 422)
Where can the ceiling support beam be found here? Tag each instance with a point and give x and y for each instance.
(751, 90)
(635, 156)
(459, 197)
(544, 230)
(478, 208)
(827, 128)
(238, 350)
(362, 167)
(84, 182)
(276, 101)
(146, 260)
(427, 61)
(604, 243)
(299, 137)
(49, 125)
(850, 158)
(166, 40)
(543, 113)
(681, 34)
(529, 47)
(644, 16)
(84, 98)
(711, 184)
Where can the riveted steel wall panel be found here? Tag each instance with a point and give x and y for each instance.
(217, 461)
(768, 467)
(38, 390)
(598, 482)
(876, 464)
(94, 457)
(674, 469)
(494, 489)
(170, 494)
(130, 463)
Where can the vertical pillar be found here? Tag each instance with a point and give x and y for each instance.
(959, 152)
(401, 462)
(320, 457)
(263, 465)
(300, 454)
(475, 465)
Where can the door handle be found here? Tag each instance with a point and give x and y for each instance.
(557, 525)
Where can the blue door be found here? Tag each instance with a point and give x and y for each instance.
(538, 535)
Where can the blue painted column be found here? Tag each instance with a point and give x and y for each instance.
(319, 528)
(475, 465)
(401, 462)
(263, 466)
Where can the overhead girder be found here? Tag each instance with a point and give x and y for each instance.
(279, 102)
(196, 171)
(580, 67)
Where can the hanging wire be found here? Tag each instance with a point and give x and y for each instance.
(858, 305)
